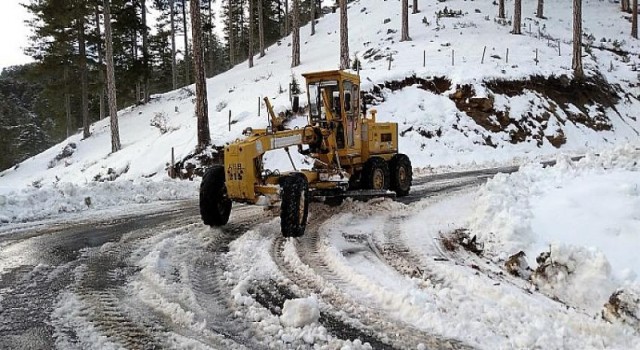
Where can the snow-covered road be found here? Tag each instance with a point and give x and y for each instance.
(365, 275)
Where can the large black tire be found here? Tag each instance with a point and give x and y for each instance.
(215, 205)
(401, 174)
(375, 174)
(294, 209)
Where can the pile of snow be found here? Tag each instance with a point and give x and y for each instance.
(300, 312)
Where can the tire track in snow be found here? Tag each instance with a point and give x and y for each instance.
(212, 294)
(309, 269)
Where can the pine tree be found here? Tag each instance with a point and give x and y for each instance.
(295, 47)
(81, 11)
(174, 68)
(517, 17)
(540, 9)
(576, 64)
(111, 81)
(251, 32)
(99, 40)
(344, 36)
(204, 137)
(261, 27)
(145, 52)
(405, 21)
(625, 5)
(313, 17)
(187, 63)
(634, 20)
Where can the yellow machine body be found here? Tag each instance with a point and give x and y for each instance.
(339, 136)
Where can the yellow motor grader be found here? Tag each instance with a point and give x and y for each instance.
(353, 156)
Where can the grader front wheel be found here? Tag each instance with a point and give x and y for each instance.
(215, 205)
(294, 209)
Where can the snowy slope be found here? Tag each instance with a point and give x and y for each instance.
(146, 151)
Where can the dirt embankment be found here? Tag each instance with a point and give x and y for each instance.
(569, 101)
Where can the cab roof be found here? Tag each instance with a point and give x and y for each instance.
(331, 74)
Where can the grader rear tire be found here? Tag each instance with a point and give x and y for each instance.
(401, 174)
(375, 174)
(215, 205)
(294, 209)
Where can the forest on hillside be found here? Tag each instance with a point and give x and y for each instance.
(151, 51)
(64, 91)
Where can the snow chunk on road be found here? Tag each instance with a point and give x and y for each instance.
(300, 312)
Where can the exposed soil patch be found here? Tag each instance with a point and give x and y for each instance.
(593, 93)
(437, 85)
(566, 100)
(578, 102)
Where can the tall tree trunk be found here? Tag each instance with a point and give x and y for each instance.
(344, 36)
(174, 65)
(405, 21)
(232, 36)
(280, 22)
(202, 111)
(111, 81)
(313, 17)
(540, 10)
(286, 17)
(295, 47)
(187, 62)
(501, 13)
(576, 64)
(211, 54)
(625, 5)
(100, 62)
(251, 31)
(517, 17)
(261, 25)
(67, 98)
(84, 77)
(634, 20)
(145, 51)
(415, 7)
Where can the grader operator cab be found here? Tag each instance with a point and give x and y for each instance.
(353, 156)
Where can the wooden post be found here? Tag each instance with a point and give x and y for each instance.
(258, 106)
(536, 57)
(559, 53)
(424, 58)
(172, 171)
(507, 55)
(483, 52)
(453, 57)
(229, 120)
(390, 59)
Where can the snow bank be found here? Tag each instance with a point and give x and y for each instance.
(584, 214)
(38, 203)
